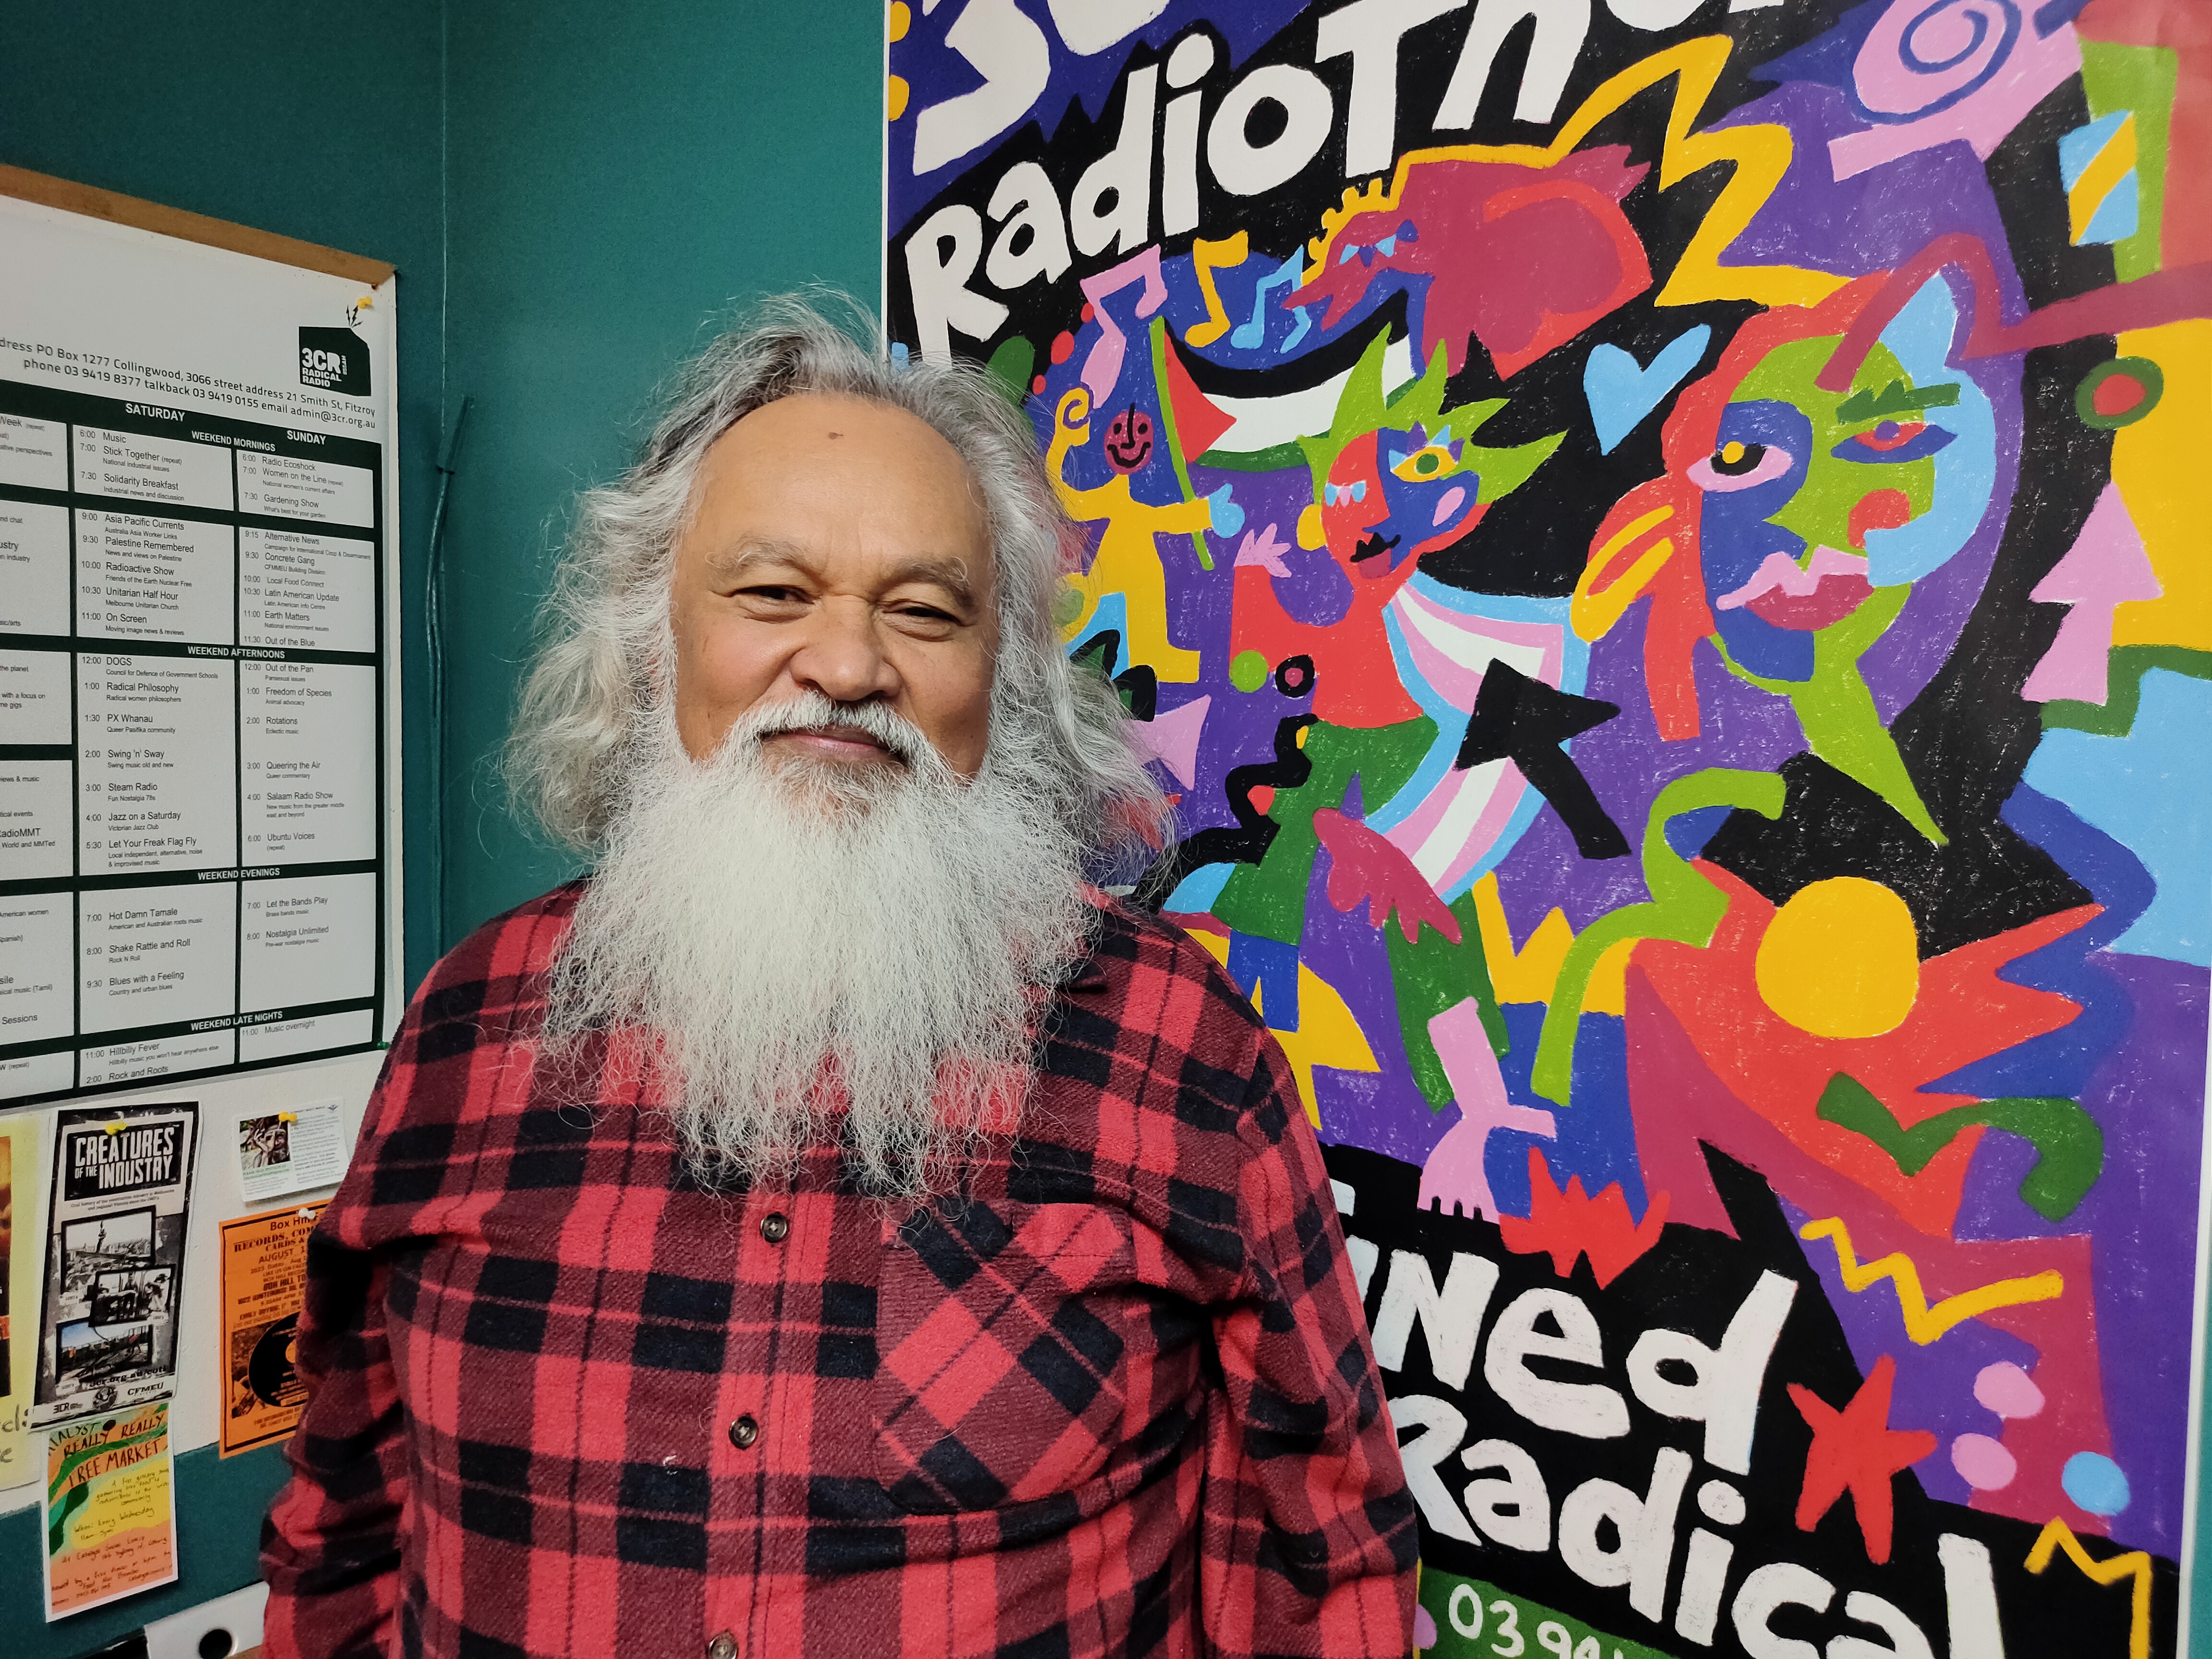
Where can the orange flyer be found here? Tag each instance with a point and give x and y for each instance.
(110, 1502)
(264, 1266)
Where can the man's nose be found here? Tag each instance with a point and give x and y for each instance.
(842, 655)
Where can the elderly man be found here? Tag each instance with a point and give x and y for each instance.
(834, 1227)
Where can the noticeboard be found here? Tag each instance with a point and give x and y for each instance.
(196, 500)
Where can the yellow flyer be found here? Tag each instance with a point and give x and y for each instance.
(264, 1265)
(111, 1500)
(19, 1181)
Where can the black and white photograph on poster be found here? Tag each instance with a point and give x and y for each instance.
(93, 1354)
(129, 1293)
(89, 1249)
(115, 1248)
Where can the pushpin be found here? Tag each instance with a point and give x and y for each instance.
(288, 1117)
(116, 1128)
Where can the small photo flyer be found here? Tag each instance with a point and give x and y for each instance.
(290, 1151)
(264, 1270)
(19, 1295)
(116, 1223)
(111, 1498)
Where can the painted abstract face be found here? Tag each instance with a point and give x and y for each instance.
(1393, 495)
(1797, 480)
(1129, 440)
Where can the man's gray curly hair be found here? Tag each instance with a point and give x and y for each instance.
(605, 664)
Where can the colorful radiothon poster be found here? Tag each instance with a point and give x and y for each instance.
(117, 1219)
(111, 1502)
(265, 1268)
(20, 1180)
(1658, 549)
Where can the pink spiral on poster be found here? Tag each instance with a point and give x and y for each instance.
(1922, 56)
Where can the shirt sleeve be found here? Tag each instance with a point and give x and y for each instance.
(330, 1543)
(330, 1546)
(1309, 1542)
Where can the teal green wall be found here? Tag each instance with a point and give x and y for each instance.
(307, 120)
(320, 124)
(612, 190)
(612, 177)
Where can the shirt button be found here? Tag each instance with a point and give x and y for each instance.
(775, 1227)
(724, 1646)
(743, 1432)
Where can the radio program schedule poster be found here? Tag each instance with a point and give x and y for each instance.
(193, 512)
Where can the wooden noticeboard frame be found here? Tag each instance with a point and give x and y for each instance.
(88, 199)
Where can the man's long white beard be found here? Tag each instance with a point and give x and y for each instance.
(805, 955)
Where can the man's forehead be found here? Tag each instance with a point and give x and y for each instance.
(810, 475)
(853, 427)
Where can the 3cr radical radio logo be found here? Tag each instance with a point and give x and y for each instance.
(335, 359)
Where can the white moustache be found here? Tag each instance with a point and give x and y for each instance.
(811, 711)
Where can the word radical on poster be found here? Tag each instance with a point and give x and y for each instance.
(1542, 1417)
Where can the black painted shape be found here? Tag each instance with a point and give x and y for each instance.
(1693, 1280)
(1137, 685)
(1374, 546)
(1140, 691)
(1967, 736)
(1099, 652)
(1987, 880)
(1313, 367)
(1525, 721)
(1254, 833)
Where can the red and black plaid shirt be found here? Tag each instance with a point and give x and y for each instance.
(1117, 1397)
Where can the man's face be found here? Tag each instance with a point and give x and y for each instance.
(1797, 479)
(836, 547)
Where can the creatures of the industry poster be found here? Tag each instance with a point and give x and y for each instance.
(116, 1225)
(1659, 546)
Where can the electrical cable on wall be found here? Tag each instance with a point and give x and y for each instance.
(435, 627)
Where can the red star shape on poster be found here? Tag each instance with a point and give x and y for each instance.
(1855, 1449)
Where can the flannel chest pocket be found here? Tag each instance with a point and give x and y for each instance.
(1005, 1335)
